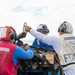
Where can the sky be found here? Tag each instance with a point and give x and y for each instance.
(34, 12)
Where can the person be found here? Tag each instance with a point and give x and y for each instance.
(10, 54)
(64, 45)
(43, 29)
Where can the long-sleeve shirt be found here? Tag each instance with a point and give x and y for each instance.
(50, 40)
(19, 53)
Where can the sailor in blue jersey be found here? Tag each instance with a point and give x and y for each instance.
(43, 29)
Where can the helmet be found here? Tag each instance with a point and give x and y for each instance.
(65, 27)
(7, 33)
(43, 28)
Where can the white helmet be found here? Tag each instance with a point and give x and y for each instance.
(43, 27)
(65, 27)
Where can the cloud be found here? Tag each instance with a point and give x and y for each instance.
(34, 12)
(18, 9)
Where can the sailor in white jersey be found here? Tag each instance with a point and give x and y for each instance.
(64, 45)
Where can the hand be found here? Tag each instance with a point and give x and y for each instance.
(25, 46)
(22, 35)
(27, 28)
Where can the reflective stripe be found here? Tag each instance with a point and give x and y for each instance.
(4, 49)
(69, 38)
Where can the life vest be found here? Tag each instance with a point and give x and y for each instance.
(67, 50)
(6, 58)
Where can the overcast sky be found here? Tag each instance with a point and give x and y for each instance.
(50, 12)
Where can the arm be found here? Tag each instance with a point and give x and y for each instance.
(50, 40)
(19, 53)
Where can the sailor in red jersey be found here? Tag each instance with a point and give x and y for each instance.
(9, 58)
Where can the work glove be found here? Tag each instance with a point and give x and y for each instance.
(27, 28)
(22, 35)
(25, 46)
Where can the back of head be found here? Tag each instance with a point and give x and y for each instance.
(65, 27)
(43, 28)
(7, 33)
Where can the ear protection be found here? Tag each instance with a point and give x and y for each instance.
(12, 36)
(62, 28)
(7, 33)
(13, 33)
(46, 29)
